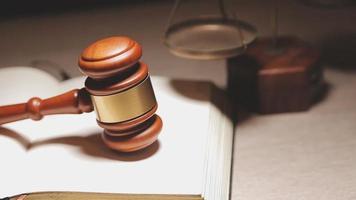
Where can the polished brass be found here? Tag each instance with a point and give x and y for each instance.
(125, 105)
(208, 37)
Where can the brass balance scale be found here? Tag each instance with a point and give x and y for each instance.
(270, 75)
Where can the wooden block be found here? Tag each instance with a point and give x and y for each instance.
(274, 80)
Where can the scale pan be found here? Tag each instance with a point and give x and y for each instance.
(209, 38)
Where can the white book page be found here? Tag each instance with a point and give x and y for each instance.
(18, 84)
(65, 153)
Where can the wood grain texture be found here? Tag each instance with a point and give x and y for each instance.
(109, 56)
(135, 140)
(72, 102)
(118, 83)
(276, 80)
(113, 66)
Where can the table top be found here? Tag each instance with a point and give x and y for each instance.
(302, 155)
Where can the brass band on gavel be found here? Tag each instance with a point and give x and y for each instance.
(125, 105)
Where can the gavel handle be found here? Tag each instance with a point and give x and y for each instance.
(73, 102)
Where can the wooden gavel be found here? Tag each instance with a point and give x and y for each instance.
(118, 88)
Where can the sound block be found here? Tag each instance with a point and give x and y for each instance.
(269, 78)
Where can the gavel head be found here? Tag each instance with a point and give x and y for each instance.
(121, 93)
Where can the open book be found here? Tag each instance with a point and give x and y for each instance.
(64, 153)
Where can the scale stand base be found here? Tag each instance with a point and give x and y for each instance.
(276, 76)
